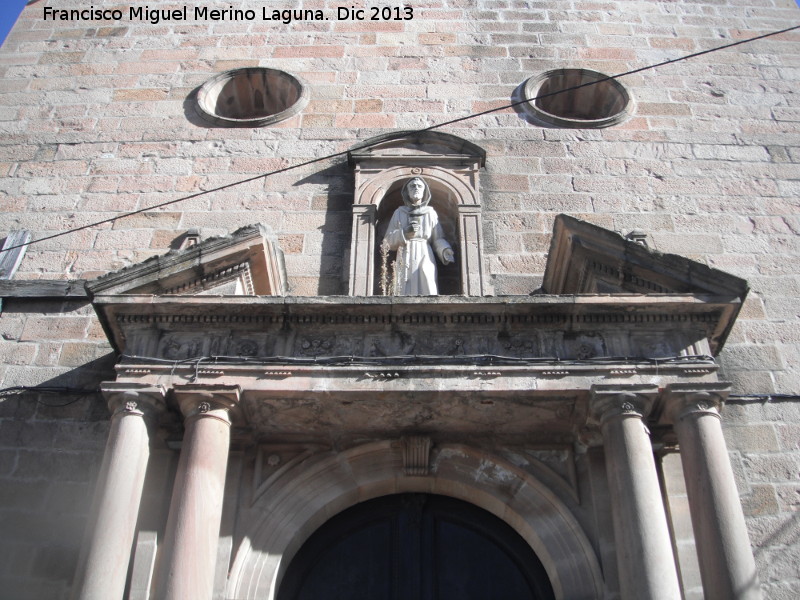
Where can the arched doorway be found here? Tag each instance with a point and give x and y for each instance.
(415, 546)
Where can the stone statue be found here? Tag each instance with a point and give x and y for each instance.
(415, 233)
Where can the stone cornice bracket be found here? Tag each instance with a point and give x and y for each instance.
(219, 402)
(616, 401)
(131, 398)
(416, 455)
(682, 400)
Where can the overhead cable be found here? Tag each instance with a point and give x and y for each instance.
(402, 134)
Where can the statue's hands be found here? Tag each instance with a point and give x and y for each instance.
(447, 256)
(413, 229)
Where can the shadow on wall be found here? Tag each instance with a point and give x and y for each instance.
(52, 443)
(338, 182)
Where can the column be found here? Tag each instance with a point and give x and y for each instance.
(106, 553)
(726, 559)
(188, 559)
(644, 549)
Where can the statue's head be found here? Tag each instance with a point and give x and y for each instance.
(416, 193)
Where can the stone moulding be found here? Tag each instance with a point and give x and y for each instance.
(333, 355)
(329, 482)
(607, 103)
(251, 97)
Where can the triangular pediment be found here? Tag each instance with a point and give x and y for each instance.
(587, 259)
(248, 262)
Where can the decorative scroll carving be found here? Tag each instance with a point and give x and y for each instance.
(207, 401)
(134, 399)
(611, 401)
(694, 399)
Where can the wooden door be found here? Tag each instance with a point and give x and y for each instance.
(415, 547)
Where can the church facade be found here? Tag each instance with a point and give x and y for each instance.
(279, 335)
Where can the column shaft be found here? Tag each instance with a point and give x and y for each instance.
(644, 549)
(103, 563)
(726, 560)
(646, 562)
(188, 558)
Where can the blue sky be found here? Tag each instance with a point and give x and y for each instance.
(9, 11)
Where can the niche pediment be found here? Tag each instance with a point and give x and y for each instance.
(419, 148)
(248, 262)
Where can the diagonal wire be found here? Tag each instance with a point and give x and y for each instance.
(403, 134)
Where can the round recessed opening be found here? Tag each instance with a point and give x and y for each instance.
(599, 104)
(251, 97)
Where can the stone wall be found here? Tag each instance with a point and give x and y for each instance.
(51, 444)
(97, 118)
(763, 444)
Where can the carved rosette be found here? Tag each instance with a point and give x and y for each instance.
(695, 400)
(207, 401)
(134, 399)
(614, 401)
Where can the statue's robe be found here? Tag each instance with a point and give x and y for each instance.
(417, 276)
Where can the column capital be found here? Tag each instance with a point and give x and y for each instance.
(684, 399)
(610, 401)
(216, 401)
(134, 398)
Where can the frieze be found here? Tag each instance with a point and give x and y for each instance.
(625, 279)
(312, 342)
(542, 328)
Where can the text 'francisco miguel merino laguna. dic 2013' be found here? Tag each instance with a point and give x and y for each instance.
(204, 13)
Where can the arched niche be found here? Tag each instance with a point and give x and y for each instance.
(450, 165)
(311, 489)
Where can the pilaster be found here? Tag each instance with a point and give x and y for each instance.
(362, 250)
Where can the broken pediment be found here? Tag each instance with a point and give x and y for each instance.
(248, 262)
(587, 259)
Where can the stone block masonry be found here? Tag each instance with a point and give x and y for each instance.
(763, 440)
(97, 119)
